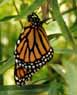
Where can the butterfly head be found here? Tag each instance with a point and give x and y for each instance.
(34, 19)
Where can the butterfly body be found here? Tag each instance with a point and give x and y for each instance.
(32, 50)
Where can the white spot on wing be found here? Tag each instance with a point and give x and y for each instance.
(50, 50)
(16, 78)
(17, 56)
(50, 56)
(31, 63)
(43, 57)
(48, 53)
(15, 52)
(33, 66)
(29, 66)
(17, 83)
(18, 41)
(32, 73)
(34, 70)
(45, 60)
(25, 66)
(29, 75)
(15, 47)
(40, 64)
(23, 79)
(19, 80)
(16, 60)
(28, 78)
(37, 65)
(20, 64)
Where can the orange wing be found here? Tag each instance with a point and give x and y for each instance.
(31, 53)
(32, 45)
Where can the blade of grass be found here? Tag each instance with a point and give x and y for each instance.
(59, 19)
(6, 18)
(27, 90)
(1, 50)
(74, 6)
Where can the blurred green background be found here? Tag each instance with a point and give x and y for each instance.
(59, 76)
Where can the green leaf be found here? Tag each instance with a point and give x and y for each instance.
(55, 88)
(70, 77)
(6, 18)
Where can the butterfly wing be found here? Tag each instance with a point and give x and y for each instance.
(31, 53)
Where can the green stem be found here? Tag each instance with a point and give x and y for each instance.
(69, 10)
(17, 13)
(1, 76)
(58, 17)
(74, 6)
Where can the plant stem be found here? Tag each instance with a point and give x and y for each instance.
(74, 6)
(17, 13)
(1, 76)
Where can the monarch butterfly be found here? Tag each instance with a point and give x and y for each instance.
(32, 50)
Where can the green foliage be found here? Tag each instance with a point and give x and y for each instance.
(70, 77)
(61, 22)
(27, 90)
(59, 76)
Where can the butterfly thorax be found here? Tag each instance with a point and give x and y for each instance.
(34, 20)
